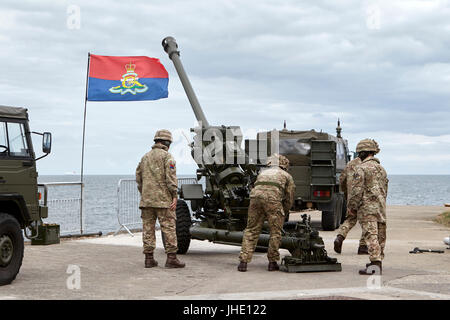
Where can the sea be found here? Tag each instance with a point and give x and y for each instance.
(101, 198)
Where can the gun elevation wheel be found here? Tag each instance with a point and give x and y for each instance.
(11, 248)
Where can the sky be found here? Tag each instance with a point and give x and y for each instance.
(381, 67)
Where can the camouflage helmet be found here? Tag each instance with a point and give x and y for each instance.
(368, 145)
(163, 135)
(278, 160)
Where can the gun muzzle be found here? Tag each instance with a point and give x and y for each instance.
(170, 46)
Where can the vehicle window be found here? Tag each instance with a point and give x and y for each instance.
(17, 141)
(3, 141)
(294, 146)
(340, 151)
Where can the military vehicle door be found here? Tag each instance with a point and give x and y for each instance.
(17, 166)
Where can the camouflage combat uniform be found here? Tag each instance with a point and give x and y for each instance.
(270, 199)
(345, 181)
(157, 182)
(367, 197)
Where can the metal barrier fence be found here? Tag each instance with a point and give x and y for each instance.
(128, 197)
(64, 205)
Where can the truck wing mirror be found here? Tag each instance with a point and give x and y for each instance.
(46, 142)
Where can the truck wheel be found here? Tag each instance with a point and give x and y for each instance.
(344, 210)
(183, 224)
(328, 220)
(338, 209)
(11, 248)
(332, 219)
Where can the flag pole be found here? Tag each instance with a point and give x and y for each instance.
(82, 148)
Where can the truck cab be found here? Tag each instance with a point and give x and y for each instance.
(19, 197)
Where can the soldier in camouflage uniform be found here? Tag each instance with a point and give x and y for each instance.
(367, 198)
(350, 221)
(157, 183)
(270, 200)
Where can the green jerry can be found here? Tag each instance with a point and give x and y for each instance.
(47, 234)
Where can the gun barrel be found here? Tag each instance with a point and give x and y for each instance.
(170, 46)
(235, 237)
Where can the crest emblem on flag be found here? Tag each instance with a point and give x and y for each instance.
(130, 82)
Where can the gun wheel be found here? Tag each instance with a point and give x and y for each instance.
(183, 225)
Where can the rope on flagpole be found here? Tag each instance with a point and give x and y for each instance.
(82, 148)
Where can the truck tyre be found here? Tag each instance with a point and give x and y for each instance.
(328, 220)
(11, 248)
(344, 210)
(183, 224)
(338, 209)
(332, 219)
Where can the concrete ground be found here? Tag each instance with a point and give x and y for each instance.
(111, 267)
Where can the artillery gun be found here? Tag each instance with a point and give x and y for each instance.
(229, 173)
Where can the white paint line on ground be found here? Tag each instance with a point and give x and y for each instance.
(296, 294)
(432, 295)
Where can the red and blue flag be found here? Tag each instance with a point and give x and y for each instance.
(126, 78)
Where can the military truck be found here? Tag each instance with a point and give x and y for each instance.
(316, 161)
(20, 212)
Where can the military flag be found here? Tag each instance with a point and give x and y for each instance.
(112, 78)
(126, 78)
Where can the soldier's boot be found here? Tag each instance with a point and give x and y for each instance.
(242, 266)
(368, 264)
(338, 243)
(173, 262)
(363, 250)
(150, 261)
(366, 271)
(273, 266)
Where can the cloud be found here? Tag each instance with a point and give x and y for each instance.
(410, 153)
(382, 67)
